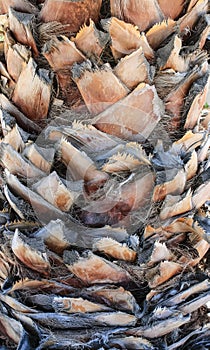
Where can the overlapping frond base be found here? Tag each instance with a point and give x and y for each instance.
(104, 174)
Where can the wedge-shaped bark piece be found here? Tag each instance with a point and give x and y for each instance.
(4, 23)
(114, 297)
(174, 102)
(18, 5)
(4, 72)
(191, 17)
(201, 195)
(31, 252)
(183, 224)
(11, 131)
(118, 155)
(58, 236)
(167, 231)
(166, 80)
(134, 69)
(195, 304)
(43, 210)
(169, 57)
(100, 88)
(160, 31)
(202, 227)
(126, 38)
(22, 26)
(195, 101)
(160, 252)
(200, 334)
(165, 235)
(121, 162)
(143, 14)
(162, 273)
(21, 119)
(138, 192)
(55, 192)
(15, 304)
(14, 139)
(90, 40)
(161, 328)
(40, 301)
(191, 166)
(204, 122)
(80, 166)
(83, 321)
(16, 164)
(92, 269)
(41, 157)
(13, 202)
(134, 117)
(170, 9)
(41, 284)
(204, 149)
(61, 53)
(17, 56)
(8, 39)
(76, 305)
(150, 231)
(175, 186)
(120, 204)
(33, 91)
(115, 249)
(53, 235)
(116, 319)
(175, 205)
(10, 328)
(137, 343)
(182, 296)
(86, 135)
(190, 141)
(200, 33)
(4, 42)
(72, 13)
(6, 85)
(92, 137)
(204, 32)
(191, 5)
(168, 161)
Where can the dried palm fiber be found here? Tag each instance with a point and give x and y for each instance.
(104, 180)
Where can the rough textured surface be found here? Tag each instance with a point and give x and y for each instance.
(104, 175)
